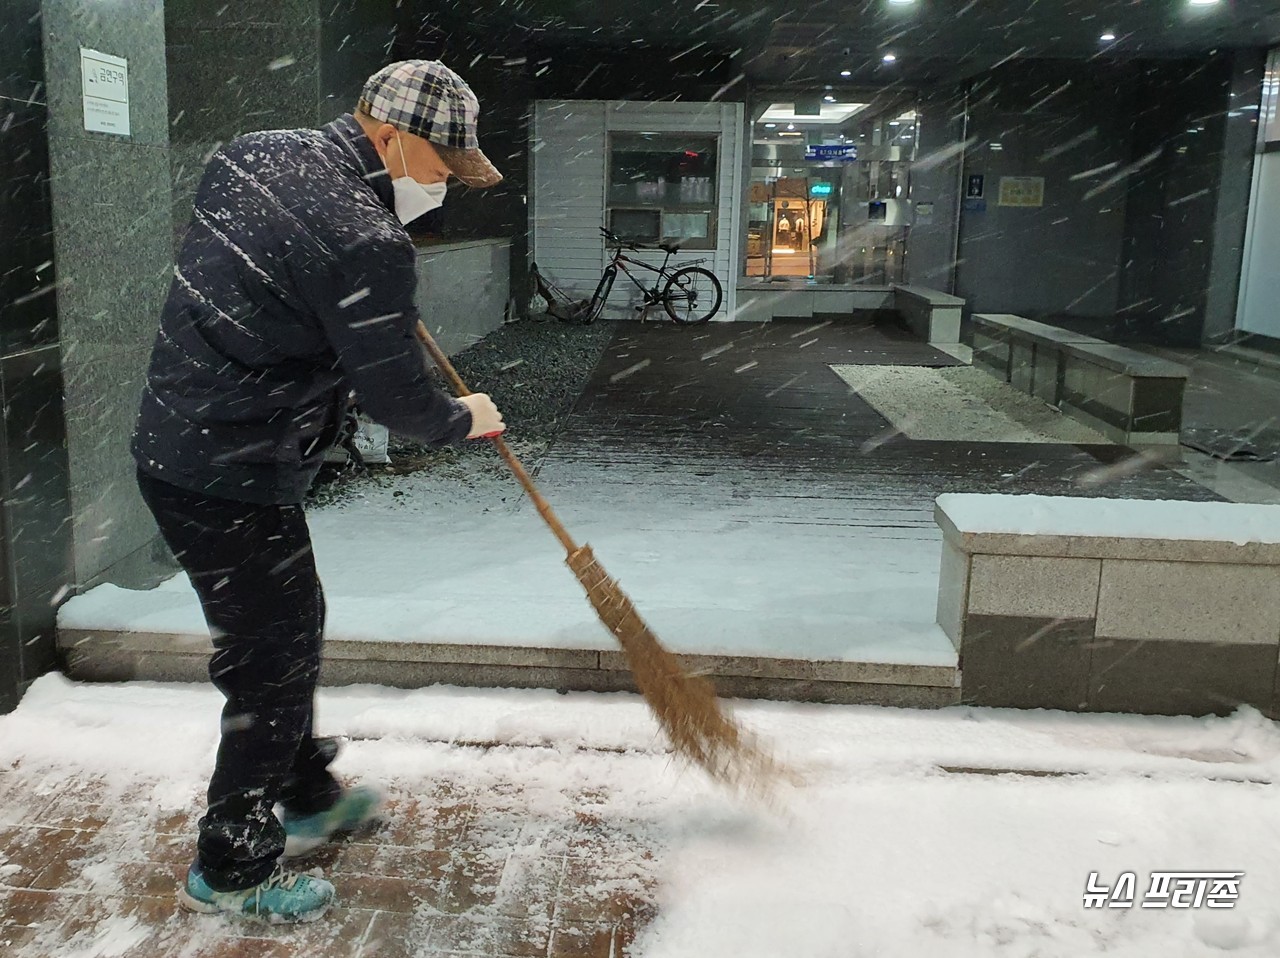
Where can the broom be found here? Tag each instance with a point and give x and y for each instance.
(684, 705)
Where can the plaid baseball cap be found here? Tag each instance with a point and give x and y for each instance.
(427, 99)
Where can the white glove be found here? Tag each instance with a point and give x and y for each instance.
(486, 421)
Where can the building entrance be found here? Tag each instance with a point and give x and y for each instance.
(830, 190)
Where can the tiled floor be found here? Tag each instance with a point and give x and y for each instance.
(762, 397)
(450, 873)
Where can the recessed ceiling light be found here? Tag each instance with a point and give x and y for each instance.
(846, 73)
(791, 126)
(770, 126)
(829, 98)
(902, 3)
(890, 57)
(1202, 3)
(1107, 37)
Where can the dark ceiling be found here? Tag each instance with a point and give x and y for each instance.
(799, 41)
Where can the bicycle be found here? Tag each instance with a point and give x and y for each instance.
(560, 305)
(692, 294)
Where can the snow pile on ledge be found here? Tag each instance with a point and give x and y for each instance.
(1235, 522)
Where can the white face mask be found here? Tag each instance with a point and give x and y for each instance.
(414, 199)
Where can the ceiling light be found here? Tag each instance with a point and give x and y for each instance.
(1202, 3)
(833, 114)
(902, 3)
(791, 126)
(893, 122)
(846, 73)
(1107, 37)
(890, 57)
(829, 98)
(770, 126)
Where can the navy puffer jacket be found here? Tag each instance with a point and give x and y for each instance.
(294, 287)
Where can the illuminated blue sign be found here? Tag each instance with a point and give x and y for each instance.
(837, 152)
(822, 189)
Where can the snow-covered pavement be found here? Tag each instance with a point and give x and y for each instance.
(913, 834)
(457, 556)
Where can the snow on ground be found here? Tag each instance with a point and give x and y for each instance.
(458, 556)
(939, 404)
(880, 853)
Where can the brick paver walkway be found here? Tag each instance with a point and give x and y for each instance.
(458, 870)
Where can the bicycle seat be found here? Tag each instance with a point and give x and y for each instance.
(671, 248)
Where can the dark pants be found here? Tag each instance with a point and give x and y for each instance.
(255, 573)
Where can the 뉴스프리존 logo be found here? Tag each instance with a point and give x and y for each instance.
(1168, 889)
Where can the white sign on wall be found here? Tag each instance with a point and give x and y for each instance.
(105, 81)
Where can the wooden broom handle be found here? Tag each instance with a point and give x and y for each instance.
(513, 463)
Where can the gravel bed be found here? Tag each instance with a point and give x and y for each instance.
(534, 369)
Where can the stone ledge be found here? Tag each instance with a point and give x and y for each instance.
(1131, 396)
(100, 656)
(1006, 324)
(1079, 546)
(930, 296)
(1096, 605)
(933, 315)
(1099, 351)
(806, 670)
(340, 650)
(1124, 359)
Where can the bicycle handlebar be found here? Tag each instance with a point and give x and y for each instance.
(615, 240)
(612, 239)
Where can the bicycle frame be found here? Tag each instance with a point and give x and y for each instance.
(620, 260)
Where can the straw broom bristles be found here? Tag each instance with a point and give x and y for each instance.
(685, 706)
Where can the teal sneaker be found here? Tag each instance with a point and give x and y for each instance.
(284, 897)
(305, 833)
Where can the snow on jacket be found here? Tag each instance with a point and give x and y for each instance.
(294, 287)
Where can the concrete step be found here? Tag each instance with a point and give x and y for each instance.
(115, 656)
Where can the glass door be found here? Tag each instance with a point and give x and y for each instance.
(829, 194)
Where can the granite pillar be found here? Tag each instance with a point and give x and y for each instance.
(112, 227)
(35, 508)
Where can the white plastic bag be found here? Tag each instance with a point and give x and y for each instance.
(371, 441)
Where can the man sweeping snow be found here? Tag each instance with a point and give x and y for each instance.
(294, 288)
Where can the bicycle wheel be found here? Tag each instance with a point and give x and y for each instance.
(602, 293)
(692, 295)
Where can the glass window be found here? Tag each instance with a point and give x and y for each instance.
(662, 187)
(637, 226)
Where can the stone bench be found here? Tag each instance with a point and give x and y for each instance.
(1127, 395)
(1112, 605)
(931, 315)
